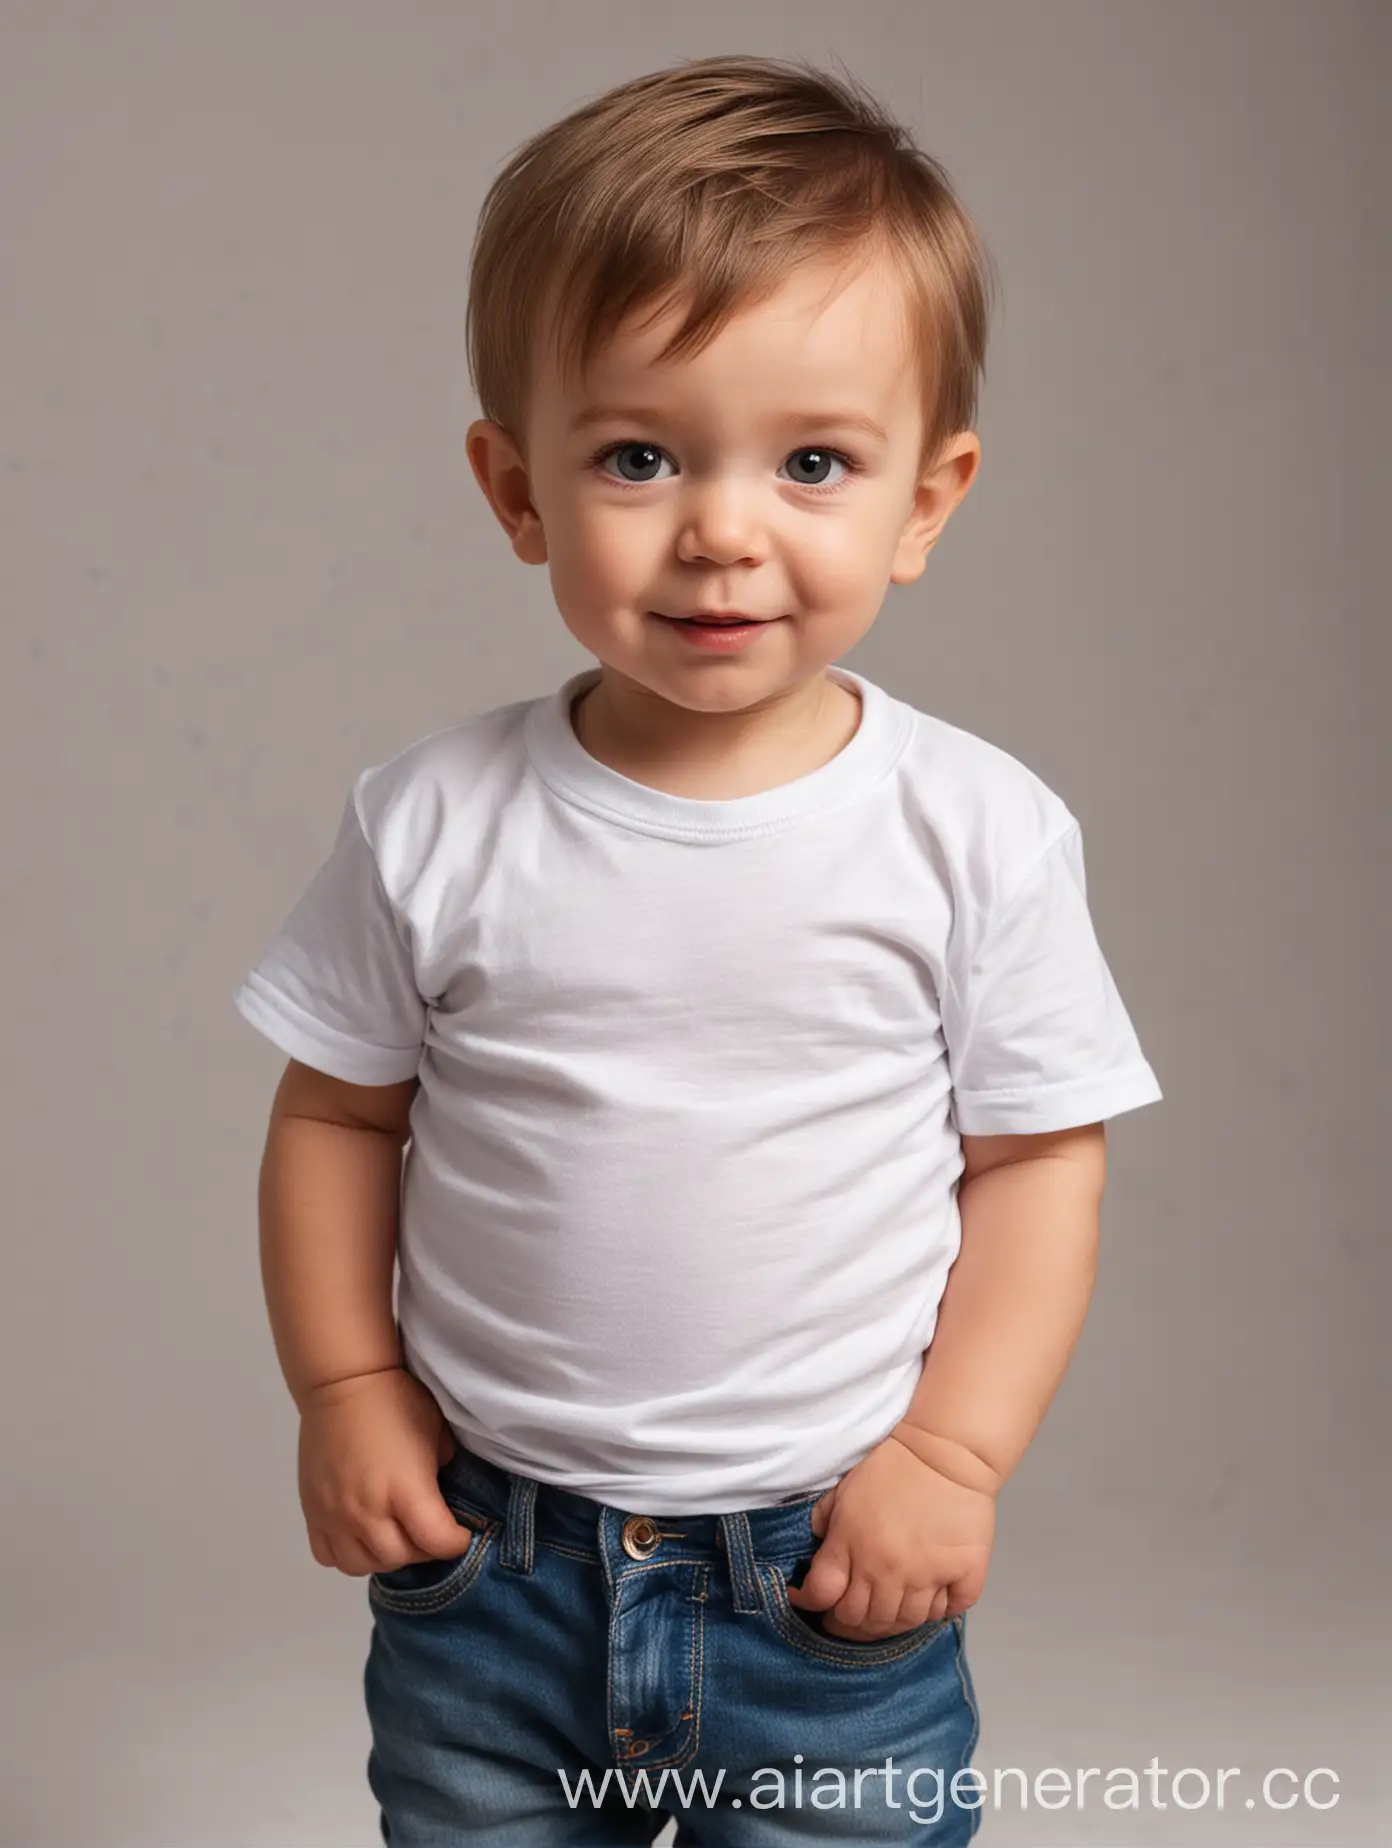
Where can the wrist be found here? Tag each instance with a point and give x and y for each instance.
(332, 1391)
(949, 1457)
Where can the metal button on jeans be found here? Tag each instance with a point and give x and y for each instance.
(641, 1538)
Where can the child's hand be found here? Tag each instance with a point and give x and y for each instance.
(370, 1449)
(901, 1545)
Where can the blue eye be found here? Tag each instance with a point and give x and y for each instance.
(652, 456)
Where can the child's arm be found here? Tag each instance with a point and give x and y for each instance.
(329, 1198)
(907, 1532)
(372, 1438)
(1014, 1304)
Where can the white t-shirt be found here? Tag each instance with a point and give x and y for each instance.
(681, 1193)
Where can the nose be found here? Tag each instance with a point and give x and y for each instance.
(720, 527)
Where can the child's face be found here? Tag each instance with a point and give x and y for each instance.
(721, 495)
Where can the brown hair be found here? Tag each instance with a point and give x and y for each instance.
(715, 177)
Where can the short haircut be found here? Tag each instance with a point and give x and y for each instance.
(713, 179)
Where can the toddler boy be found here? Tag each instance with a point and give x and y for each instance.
(747, 1027)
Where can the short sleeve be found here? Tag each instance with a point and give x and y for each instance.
(336, 988)
(1038, 1038)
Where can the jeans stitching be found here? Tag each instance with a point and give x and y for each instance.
(679, 1760)
(435, 1597)
(850, 1655)
(964, 1680)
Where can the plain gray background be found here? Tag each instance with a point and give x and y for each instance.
(244, 557)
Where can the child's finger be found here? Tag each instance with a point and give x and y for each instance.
(821, 1512)
(430, 1524)
(853, 1607)
(922, 1607)
(884, 1608)
(965, 1591)
(826, 1580)
(320, 1547)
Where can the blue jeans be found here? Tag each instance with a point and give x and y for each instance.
(582, 1673)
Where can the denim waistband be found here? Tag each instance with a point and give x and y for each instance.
(530, 1511)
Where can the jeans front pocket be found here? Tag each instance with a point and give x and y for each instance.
(428, 1587)
(803, 1630)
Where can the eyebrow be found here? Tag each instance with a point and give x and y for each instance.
(843, 420)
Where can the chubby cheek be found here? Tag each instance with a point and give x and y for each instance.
(840, 573)
(603, 565)
(609, 563)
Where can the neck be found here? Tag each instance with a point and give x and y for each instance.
(714, 755)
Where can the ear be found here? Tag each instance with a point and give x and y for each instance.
(937, 496)
(501, 472)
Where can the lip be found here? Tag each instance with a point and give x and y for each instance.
(717, 616)
(718, 638)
